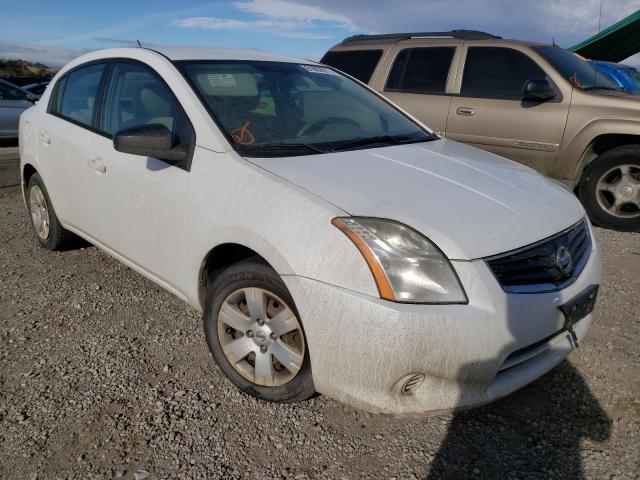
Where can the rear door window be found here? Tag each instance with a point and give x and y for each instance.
(81, 90)
(500, 73)
(359, 64)
(421, 70)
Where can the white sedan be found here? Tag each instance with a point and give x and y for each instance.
(333, 243)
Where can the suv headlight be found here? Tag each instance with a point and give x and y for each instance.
(406, 266)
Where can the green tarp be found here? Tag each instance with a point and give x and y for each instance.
(613, 44)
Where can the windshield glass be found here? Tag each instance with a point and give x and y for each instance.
(633, 74)
(576, 70)
(291, 109)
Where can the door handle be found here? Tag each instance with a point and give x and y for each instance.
(97, 164)
(46, 138)
(467, 111)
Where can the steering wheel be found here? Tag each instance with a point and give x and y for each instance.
(318, 125)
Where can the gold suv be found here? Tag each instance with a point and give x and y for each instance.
(536, 104)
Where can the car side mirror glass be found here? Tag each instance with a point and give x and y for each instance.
(538, 90)
(154, 140)
(32, 98)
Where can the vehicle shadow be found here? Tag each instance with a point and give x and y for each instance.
(531, 434)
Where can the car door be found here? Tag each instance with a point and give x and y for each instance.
(139, 202)
(62, 144)
(491, 113)
(418, 82)
(12, 103)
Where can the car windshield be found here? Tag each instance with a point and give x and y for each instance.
(576, 70)
(633, 74)
(283, 109)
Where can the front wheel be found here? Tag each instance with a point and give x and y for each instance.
(610, 189)
(254, 333)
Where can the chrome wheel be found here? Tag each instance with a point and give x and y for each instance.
(39, 212)
(618, 191)
(261, 337)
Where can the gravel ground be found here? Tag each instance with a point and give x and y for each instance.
(103, 375)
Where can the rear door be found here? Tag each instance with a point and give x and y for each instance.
(139, 202)
(12, 103)
(419, 80)
(490, 111)
(62, 143)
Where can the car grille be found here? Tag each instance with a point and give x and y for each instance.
(545, 266)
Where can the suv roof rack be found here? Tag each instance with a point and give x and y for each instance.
(396, 37)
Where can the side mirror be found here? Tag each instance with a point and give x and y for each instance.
(538, 90)
(33, 98)
(154, 140)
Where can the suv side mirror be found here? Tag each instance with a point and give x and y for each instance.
(538, 90)
(154, 140)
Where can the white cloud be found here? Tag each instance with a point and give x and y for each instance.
(38, 53)
(282, 29)
(278, 17)
(281, 9)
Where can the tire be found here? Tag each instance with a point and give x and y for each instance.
(50, 233)
(232, 289)
(604, 183)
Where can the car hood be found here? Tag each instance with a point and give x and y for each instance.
(471, 203)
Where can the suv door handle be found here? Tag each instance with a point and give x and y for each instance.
(46, 138)
(468, 111)
(97, 164)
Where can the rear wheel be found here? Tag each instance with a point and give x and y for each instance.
(255, 335)
(610, 189)
(49, 232)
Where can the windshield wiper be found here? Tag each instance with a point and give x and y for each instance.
(601, 87)
(363, 142)
(277, 149)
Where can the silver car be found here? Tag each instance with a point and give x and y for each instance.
(13, 101)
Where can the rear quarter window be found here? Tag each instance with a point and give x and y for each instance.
(359, 64)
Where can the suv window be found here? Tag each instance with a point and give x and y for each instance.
(421, 70)
(80, 92)
(359, 64)
(494, 72)
(136, 97)
(8, 92)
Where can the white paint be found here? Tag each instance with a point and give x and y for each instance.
(162, 221)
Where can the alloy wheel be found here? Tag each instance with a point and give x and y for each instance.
(618, 191)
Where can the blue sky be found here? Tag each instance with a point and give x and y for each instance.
(54, 31)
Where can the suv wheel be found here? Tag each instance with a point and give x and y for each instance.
(255, 335)
(610, 189)
(50, 234)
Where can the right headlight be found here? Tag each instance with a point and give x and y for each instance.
(406, 266)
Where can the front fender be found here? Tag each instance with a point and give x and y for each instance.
(577, 154)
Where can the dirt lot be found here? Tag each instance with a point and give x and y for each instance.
(103, 375)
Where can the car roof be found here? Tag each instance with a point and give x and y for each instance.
(361, 42)
(191, 53)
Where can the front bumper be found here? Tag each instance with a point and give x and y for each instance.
(363, 349)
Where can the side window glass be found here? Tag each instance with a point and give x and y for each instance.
(421, 70)
(79, 97)
(493, 72)
(359, 64)
(7, 92)
(394, 83)
(136, 97)
(55, 101)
